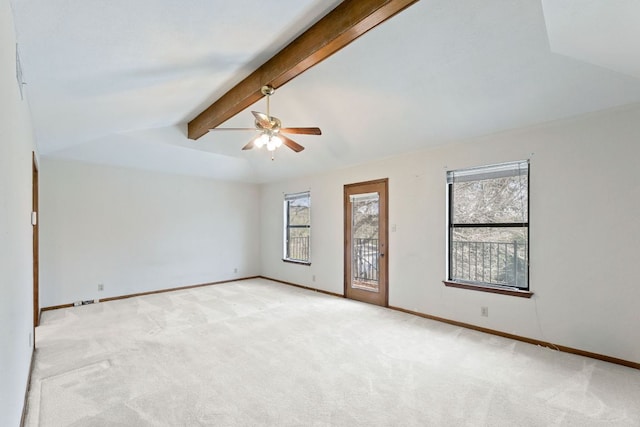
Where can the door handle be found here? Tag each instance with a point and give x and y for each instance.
(381, 255)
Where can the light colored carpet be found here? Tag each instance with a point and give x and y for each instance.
(258, 353)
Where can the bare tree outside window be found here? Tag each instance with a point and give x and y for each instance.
(365, 245)
(489, 225)
(297, 227)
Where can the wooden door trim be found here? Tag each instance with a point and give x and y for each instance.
(36, 242)
(384, 284)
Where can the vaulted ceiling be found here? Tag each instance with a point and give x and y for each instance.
(117, 82)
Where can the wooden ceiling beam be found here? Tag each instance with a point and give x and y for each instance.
(348, 21)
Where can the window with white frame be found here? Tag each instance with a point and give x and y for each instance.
(488, 225)
(297, 230)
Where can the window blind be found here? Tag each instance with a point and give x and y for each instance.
(296, 196)
(489, 172)
(364, 197)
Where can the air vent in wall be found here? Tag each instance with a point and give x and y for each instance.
(21, 82)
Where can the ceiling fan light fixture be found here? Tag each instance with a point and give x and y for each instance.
(271, 131)
(271, 144)
(262, 140)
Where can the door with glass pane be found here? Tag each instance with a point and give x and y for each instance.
(365, 242)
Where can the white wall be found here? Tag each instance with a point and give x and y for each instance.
(584, 232)
(137, 231)
(16, 283)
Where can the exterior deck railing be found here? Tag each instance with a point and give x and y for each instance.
(299, 248)
(365, 259)
(490, 262)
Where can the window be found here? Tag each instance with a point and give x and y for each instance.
(297, 218)
(489, 226)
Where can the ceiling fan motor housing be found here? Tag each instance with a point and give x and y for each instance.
(274, 124)
(271, 131)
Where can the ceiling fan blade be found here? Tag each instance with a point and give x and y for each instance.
(232, 129)
(262, 120)
(302, 131)
(251, 144)
(291, 144)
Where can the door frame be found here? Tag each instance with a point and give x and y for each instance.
(36, 241)
(381, 297)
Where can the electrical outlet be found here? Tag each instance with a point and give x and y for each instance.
(30, 342)
(484, 311)
(313, 278)
(235, 270)
(101, 286)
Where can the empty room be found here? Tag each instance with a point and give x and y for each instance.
(319, 213)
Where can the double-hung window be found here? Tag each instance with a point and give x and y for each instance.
(297, 218)
(488, 225)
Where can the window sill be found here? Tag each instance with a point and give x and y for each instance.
(293, 261)
(491, 289)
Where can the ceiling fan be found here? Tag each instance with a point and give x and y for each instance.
(270, 130)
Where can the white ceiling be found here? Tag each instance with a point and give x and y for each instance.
(116, 82)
